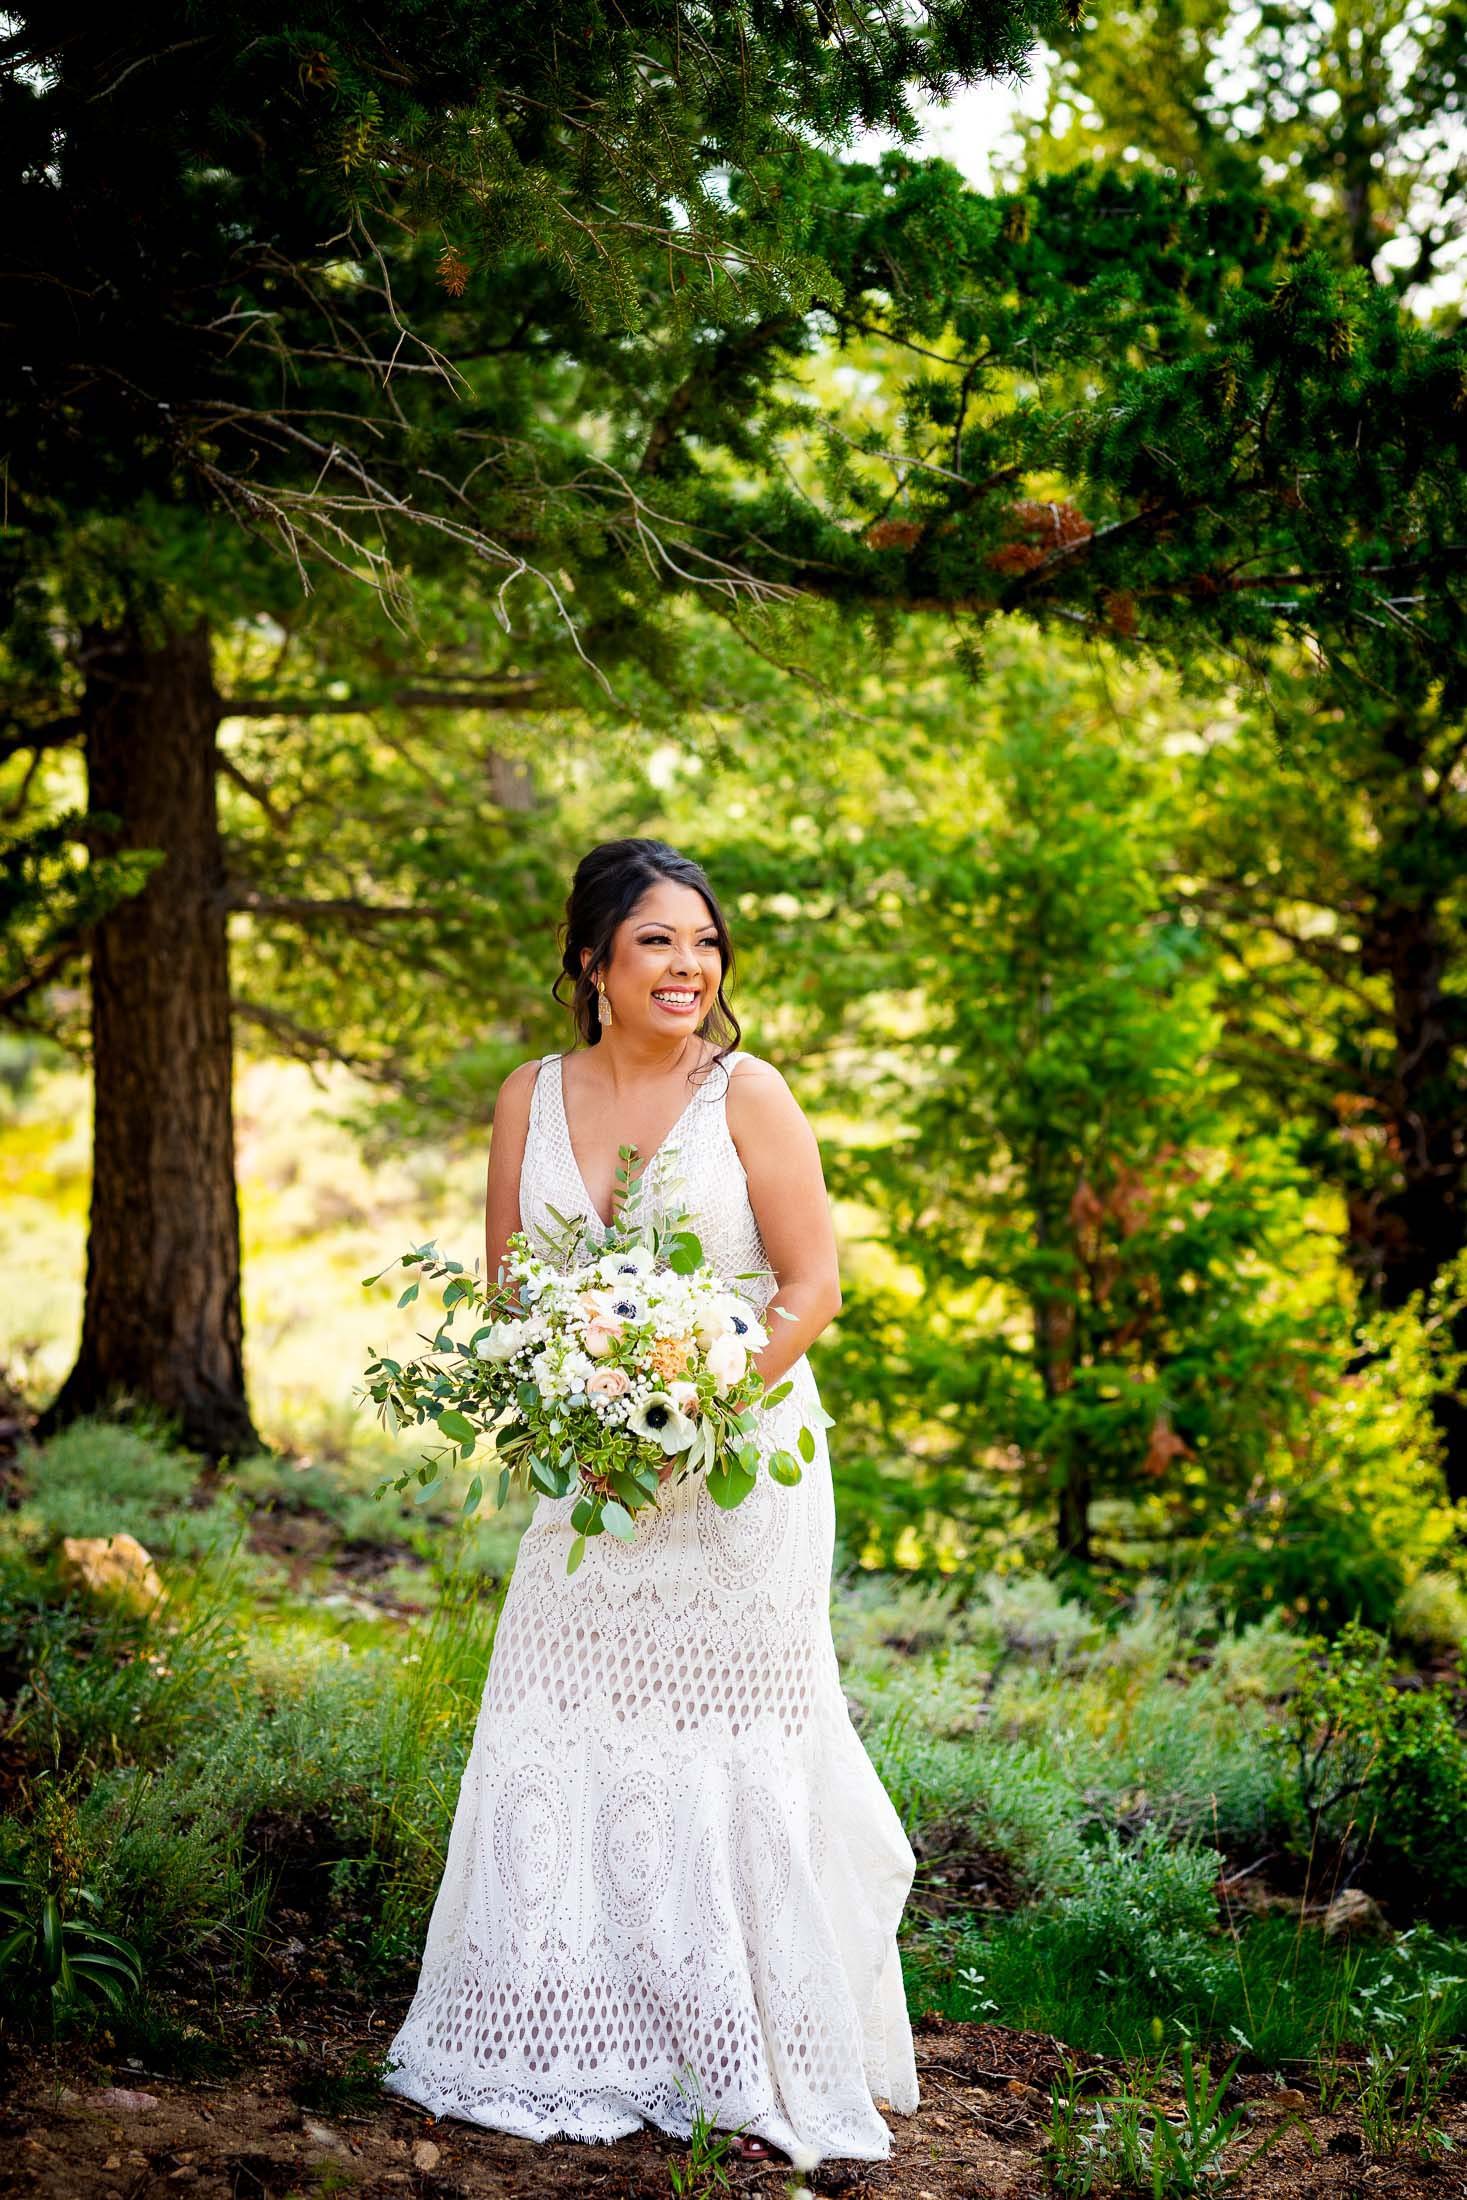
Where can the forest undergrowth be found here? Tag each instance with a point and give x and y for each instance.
(1149, 1836)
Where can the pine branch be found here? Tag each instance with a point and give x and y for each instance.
(306, 1045)
(231, 770)
(310, 909)
(715, 364)
(515, 694)
(62, 955)
(55, 733)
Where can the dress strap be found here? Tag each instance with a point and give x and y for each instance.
(537, 1095)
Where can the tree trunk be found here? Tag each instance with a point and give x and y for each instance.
(1400, 1244)
(1054, 1349)
(162, 1323)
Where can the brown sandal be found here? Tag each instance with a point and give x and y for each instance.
(751, 2148)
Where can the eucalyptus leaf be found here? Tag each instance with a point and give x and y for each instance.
(729, 1488)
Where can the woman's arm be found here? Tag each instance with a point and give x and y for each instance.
(510, 1129)
(787, 1193)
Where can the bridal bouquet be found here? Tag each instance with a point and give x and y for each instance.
(601, 1375)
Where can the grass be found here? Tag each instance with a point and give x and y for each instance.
(1102, 1783)
(1097, 1804)
(261, 1764)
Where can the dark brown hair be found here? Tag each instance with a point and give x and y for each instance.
(610, 880)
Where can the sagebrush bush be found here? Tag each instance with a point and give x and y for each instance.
(1379, 1769)
(1431, 1613)
(107, 1478)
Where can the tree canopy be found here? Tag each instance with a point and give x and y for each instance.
(375, 373)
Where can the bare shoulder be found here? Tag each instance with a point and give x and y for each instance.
(512, 1103)
(759, 1096)
(746, 1067)
(751, 1071)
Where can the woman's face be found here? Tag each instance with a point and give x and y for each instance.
(665, 968)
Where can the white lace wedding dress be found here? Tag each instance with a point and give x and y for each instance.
(673, 1876)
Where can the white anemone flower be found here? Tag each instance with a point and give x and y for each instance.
(627, 1305)
(662, 1421)
(635, 1262)
(731, 1315)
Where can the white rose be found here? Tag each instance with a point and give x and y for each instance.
(712, 1323)
(502, 1341)
(727, 1360)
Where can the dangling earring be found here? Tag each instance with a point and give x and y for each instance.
(603, 1006)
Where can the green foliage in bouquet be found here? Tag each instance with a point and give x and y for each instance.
(616, 1401)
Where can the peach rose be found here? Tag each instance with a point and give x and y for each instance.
(608, 1382)
(601, 1335)
(686, 1396)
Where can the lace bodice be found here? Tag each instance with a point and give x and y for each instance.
(696, 1167)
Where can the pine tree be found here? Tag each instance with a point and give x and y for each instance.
(337, 297)
(1343, 826)
(500, 339)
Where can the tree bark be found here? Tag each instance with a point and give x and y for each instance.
(1054, 1350)
(1399, 1244)
(162, 1324)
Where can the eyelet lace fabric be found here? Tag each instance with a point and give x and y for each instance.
(673, 1878)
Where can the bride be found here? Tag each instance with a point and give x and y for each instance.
(674, 1879)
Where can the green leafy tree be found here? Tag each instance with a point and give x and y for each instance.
(1333, 860)
(495, 348)
(342, 305)
(1092, 1318)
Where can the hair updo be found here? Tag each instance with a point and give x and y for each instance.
(610, 880)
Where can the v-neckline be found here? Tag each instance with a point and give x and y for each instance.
(678, 1121)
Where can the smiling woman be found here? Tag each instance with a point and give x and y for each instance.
(674, 1878)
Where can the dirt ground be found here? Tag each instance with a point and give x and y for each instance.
(72, 2130)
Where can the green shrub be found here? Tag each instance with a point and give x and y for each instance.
(1379, 1770)
(1431, 1614)
(108, 1478)
(1139, 1916)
